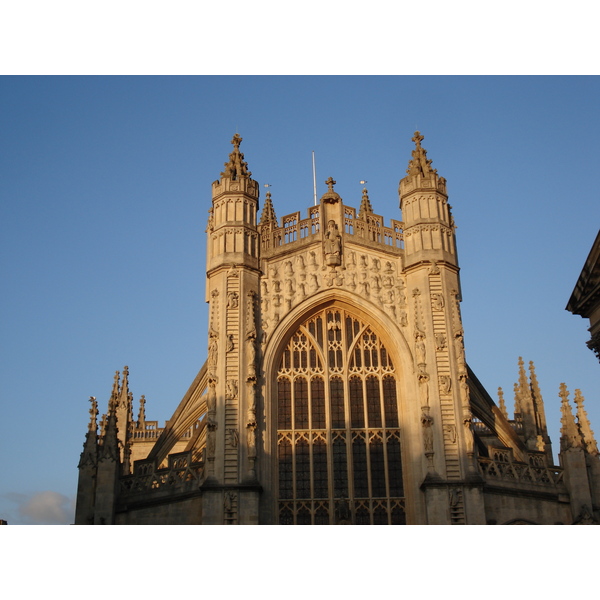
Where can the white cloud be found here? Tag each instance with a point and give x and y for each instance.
(42, 508)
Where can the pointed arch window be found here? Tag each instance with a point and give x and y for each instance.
(338, 437)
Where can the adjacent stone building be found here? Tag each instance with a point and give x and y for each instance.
(585, 299)
(336, 388)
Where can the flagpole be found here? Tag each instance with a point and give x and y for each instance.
(314, 178)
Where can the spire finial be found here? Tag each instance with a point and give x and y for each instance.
(418, 138)
(330, 183)
(517, 408)
(93, 426)
(142, 413)
(236, 167)
(501, 402)
(268, 212)
(419, 163)
(365, 205)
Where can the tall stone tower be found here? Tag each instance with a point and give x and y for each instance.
(231, 488)
(432, 278)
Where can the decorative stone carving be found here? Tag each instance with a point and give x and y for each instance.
(445, 384)
(229, 499)
(213, 354)
(351, 262)
(211, 398)
(232, 389)
(230, 343)
(232, 437)
(251, 430)
(427, 424)
(440, 342)
(460, 354)
(437, 302)
(232, 300)
(423, 379)
(403, 319)
(454, 496)
(435, 270)
(420, 351)
(211, 438)
(451, 432)
(251, 336)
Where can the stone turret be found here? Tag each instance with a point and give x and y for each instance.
(573, 460)
(431, 270)
(108, 467)
(428, 222)
(233, 236)
(88, 464)
(232, 364)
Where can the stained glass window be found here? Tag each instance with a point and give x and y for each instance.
(338, 441)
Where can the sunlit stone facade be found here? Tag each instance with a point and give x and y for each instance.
(336, 388)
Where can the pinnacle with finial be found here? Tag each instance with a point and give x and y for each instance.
(418, 138)
(419, 164)
(365, 205)
(584, 424)
(93, 414)
(517, 398)
(236, 141)
(330, 183)
(268, 212)
(142, 413)
(501, 402)
(236, 167)
(569, 433)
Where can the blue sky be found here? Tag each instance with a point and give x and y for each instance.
(104, 191)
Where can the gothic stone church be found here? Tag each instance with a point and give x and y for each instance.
(336, 389)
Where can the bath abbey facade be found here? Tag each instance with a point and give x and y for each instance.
(336, 389)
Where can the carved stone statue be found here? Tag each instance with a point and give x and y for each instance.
(420, 347)
(427, 424)
(332, 245)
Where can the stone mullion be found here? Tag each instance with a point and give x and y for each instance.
(384, 437)
(447, 409)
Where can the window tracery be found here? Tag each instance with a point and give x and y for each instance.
(338, 437)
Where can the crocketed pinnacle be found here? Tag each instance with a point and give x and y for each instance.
(501, 403)
(142, 414)
(517, 399)
(236, 168)
(365, 205)
(569, 432)
(114, 396)
(419, 164)
(93, 426)
(89, 456)
(268, 212)
(584, 425)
